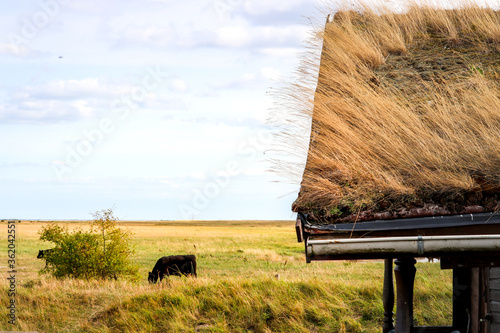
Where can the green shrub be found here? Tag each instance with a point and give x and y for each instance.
(101, 252)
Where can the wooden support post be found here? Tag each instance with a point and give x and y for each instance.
(489, 319)
(404, 272)
(475, 299)
(388, 297)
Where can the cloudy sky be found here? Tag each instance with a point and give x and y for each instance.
(157, 108)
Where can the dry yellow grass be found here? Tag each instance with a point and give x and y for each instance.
(406, 106)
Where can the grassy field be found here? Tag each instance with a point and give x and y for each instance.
(252, 276)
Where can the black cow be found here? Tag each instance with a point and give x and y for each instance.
(45, 254)
(42, 254)
(173, 265)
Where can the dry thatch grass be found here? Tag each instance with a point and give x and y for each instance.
(406, 111)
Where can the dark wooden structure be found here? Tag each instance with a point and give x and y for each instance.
(468, 244)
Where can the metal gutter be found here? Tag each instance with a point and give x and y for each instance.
(424, 246)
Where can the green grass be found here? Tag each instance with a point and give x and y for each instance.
(252, 277)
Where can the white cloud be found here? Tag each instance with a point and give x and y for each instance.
(186, 30)
(161, 102)
(83, 108)
(253, 80)
(58, 101)
(152, 35)
(281, 52)
(20, 165)
(72, 100)
(72, 89)
(198, 175)
(262, 7)
(233, 36)
(261, 36)
(17, 50)
(156, 30)
(270, 73)
(162, 36)
(178, 85)
(41, 111)
(230, 121)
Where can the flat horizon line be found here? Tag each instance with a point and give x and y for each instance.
(153, 220)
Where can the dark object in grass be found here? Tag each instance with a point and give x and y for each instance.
(45, 254)
(42, 254)
(173, 265)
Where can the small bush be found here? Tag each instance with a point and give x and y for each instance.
(101, 252)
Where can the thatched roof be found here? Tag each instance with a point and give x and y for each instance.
(406, 116)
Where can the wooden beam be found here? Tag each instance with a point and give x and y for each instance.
(433, 329)
(475, 300)
(388, 297)
(478, 259)
(299, 230)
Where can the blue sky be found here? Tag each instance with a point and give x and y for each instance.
(156, 108)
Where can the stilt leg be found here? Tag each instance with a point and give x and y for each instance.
(405, 277)
(388, 297)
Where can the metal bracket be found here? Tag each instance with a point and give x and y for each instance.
(486, 318)
(420, 245)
